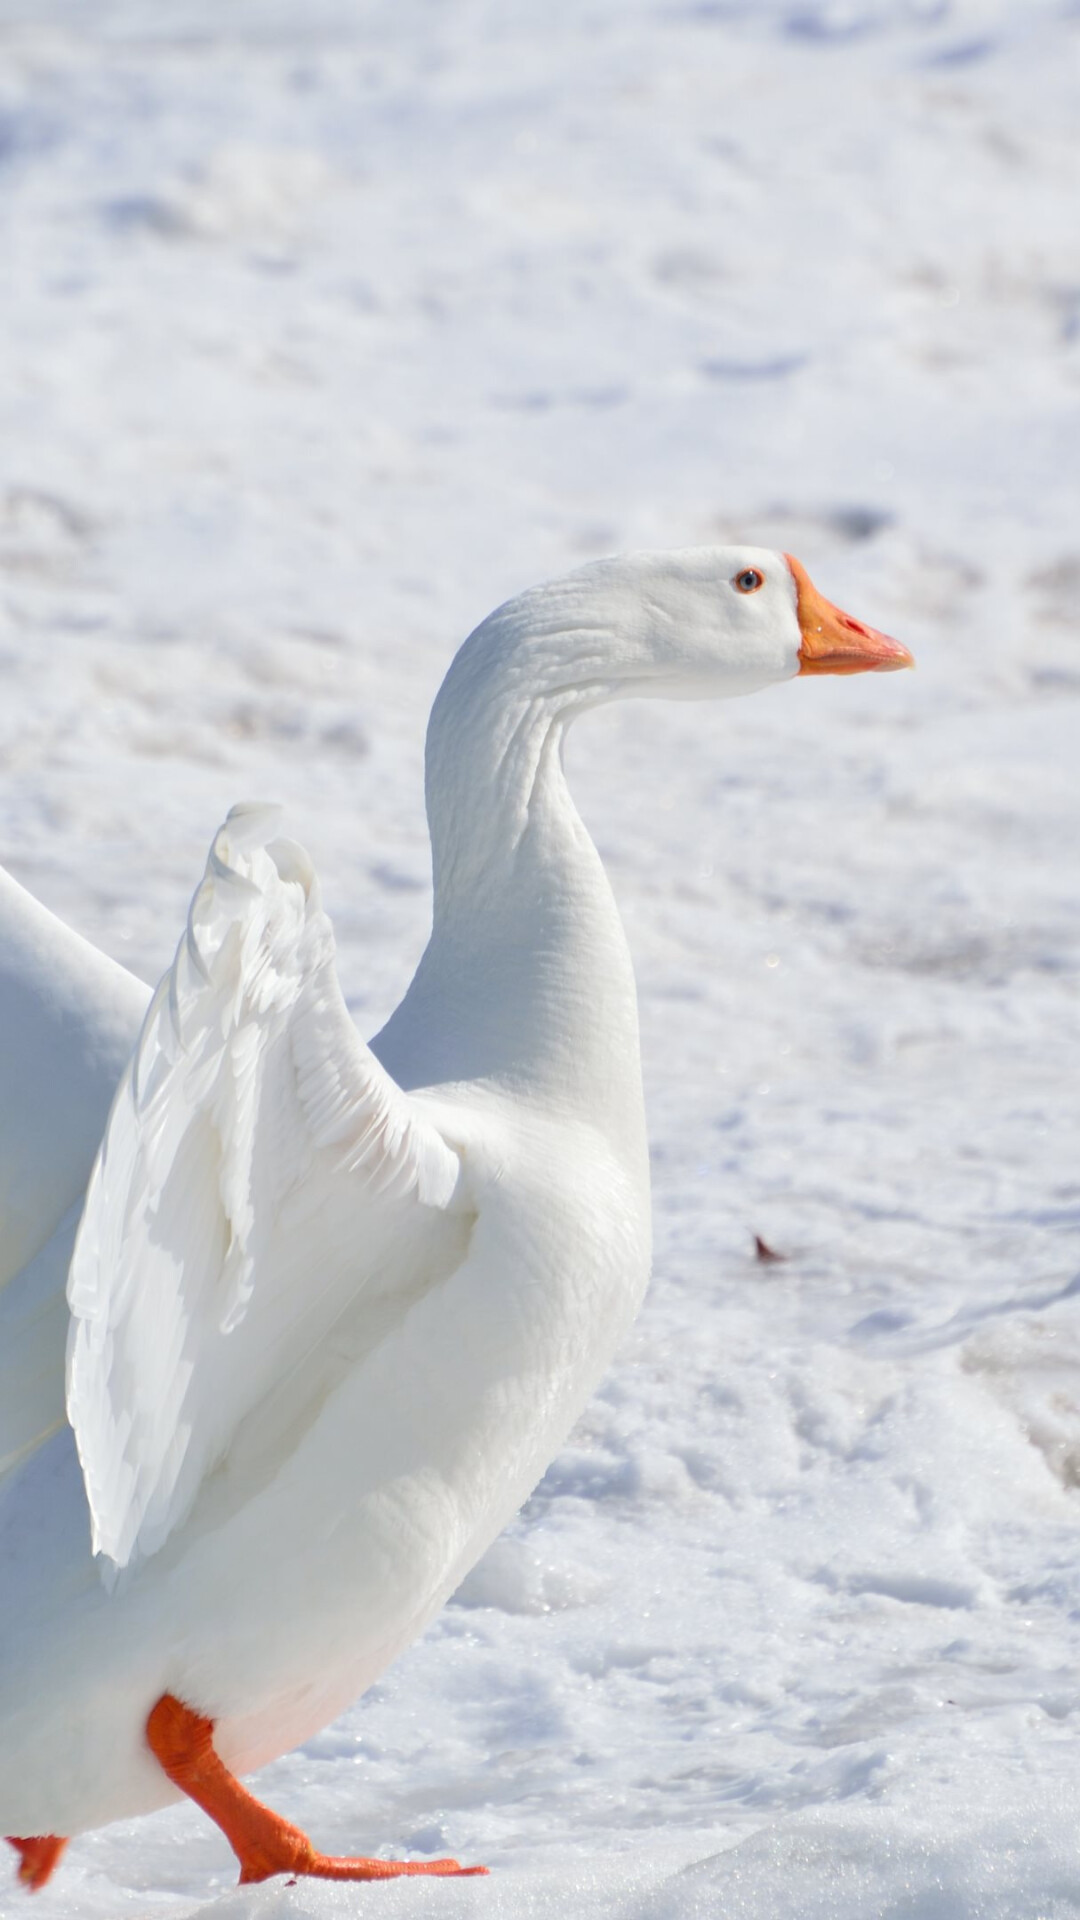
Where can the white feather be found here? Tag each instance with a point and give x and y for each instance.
(251, 1106)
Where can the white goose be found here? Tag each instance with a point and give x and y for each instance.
(332, 1307)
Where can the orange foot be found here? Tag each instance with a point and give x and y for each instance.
(37, 1858)
(182, 1743)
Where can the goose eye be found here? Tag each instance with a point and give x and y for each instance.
(749, 580)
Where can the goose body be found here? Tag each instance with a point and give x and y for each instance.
(330, 1308)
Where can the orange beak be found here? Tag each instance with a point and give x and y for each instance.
(832, 642)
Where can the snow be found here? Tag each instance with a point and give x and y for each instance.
(324, 330)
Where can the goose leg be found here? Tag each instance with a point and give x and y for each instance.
(182, 1743)
(37, 1857)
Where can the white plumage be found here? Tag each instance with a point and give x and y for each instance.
(333, 1306)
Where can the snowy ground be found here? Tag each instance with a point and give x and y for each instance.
(325, 327)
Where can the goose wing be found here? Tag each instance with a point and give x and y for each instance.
(259, 1171)
(68, 1021)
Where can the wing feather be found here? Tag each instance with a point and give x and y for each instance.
(259, 1170)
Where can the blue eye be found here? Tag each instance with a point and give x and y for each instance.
(748, 581)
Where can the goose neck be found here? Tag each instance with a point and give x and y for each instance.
(496, 794)
(527, 979)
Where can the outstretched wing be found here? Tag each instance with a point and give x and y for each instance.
(259, 1168)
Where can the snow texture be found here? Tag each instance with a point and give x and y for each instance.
(324, 329)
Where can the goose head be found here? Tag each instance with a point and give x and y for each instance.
(697, 623)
